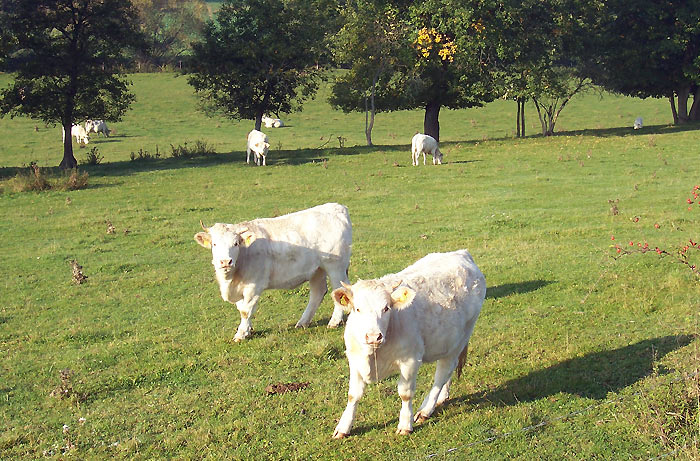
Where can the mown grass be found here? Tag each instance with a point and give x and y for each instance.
(154, 372)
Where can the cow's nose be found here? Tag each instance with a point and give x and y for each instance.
(373, 338)
(226, 262)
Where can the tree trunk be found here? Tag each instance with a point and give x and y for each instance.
(672, 100)
(683, 95)
(431, 122)
(369, 120)
(258, 121)
(517, 122)
(68, 162)
(695, 108)
(522, 117)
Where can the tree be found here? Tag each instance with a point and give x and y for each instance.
(67, 59)
(651, 48)
(260, 56)
(169, 27)
(371, 43)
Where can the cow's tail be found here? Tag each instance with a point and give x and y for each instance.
(462, 360)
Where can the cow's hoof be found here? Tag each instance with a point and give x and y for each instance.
(420, 417)
(301, 325)
(403, 431)
(339, 435)
(333, 324)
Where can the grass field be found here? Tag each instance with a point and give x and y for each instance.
(576, 355)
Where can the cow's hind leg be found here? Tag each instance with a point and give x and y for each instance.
(337, 276)
(443, 372)
(318, 289)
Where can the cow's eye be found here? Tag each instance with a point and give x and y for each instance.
(386, 309)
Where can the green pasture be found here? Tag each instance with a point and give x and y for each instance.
(576, 355)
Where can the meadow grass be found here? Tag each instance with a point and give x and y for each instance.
(592, 346)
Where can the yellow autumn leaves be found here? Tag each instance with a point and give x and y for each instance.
(430, 39)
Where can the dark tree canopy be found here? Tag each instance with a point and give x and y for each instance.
(260, 56)
(67, 56)
(651, 48)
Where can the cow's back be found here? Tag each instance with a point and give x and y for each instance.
(450, 290)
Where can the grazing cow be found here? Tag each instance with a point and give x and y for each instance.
(281, 253)
(81, 136)
(97, 126)
(638, 123)
(270, 122)
(259, 145)
(425, 313)
(423, 143)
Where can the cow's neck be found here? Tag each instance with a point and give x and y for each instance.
(229, 286)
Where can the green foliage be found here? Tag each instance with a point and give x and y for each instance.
(661, 42)
(169, 27)
(259, 56)
(93, 157)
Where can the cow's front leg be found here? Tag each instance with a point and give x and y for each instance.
(355, 390)
(246, 307)
(407, 388)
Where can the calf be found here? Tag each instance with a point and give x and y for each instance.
(425, 313)
(259, 145)
(423, 143)
(281, 252)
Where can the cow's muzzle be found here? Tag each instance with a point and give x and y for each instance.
(225, 264)
(374, 339)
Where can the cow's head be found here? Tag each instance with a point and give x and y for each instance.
(370, 305)
(225, 242)
(263, 147)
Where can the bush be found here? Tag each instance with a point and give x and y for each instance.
(199, 149)
(144, 155)
(93, 157)
(35, 179)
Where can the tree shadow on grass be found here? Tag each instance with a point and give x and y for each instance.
(629, 131)
(592, 376)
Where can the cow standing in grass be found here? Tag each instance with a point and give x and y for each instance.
(281, 253)
(425, 313)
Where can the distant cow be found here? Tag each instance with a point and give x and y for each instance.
(270, 122)
(425, 144)
(97, 126)
(77, 131)
(259, 145)
(638, 123)
(281, 253)
(425, 313)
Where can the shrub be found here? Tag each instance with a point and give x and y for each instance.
(93, 157)
(199, 149)
(35, 179)
(144, 155)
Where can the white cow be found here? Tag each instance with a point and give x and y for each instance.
(281, 253)
(79, 133)
(425, 313)
(97, 126)
(425, 144)
(270, 122)
(638, 123)
(259, 145)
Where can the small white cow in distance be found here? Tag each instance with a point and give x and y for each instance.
(638, 123)
(425, 144)
(281, 253)
(270, 122)
(97, 126)
(77, 131)
(259, 145)
(425, 313)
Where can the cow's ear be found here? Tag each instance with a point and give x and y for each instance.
(203, 238)
(247, 237)
(343, 297)
(402, 297)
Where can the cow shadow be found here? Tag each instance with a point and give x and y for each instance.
(507, 289)
(591, 376)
